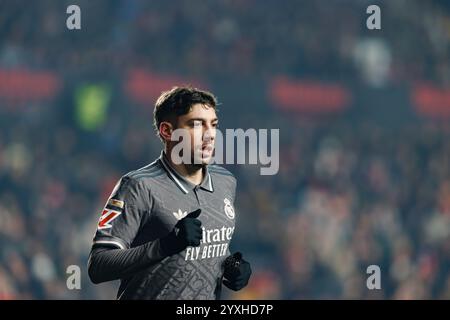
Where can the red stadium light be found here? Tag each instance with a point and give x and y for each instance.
(431, 101)
(308, 96)
(144, 87)
(19, 85)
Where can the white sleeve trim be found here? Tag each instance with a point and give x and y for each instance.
(116, 243)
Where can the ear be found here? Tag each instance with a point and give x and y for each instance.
(165, 130)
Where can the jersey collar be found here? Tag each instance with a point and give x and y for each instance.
(182, 183)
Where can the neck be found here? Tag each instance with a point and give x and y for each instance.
(191, 172)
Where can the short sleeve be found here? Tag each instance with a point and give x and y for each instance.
(123, 214)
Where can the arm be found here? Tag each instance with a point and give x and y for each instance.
(126, 210)
(112, 257)
(106, 263)
(237, 271)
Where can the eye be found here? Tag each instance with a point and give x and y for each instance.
(196, 124)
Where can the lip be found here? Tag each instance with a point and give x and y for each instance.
(208, 147)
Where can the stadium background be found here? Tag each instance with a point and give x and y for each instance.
(363, 116)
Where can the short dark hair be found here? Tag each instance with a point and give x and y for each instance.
(178, 101)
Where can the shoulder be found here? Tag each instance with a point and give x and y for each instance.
(149, 171)
(142, 178)
(220, 172)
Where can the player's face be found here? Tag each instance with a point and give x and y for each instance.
(201, 123)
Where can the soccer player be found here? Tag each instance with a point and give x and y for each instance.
(166, 228)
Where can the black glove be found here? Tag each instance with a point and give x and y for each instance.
(237, 272)
(187, 232)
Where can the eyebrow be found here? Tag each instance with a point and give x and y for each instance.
(202, 119)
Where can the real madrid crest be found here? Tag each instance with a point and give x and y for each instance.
(229, 210)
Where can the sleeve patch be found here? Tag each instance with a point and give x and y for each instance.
(107, 216)
(116, 203)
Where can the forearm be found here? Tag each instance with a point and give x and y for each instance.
(107, 264)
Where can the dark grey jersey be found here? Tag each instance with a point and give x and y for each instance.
(145, 205)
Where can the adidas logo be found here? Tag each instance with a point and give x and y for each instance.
(180, 215)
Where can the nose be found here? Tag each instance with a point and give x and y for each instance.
(209, 134)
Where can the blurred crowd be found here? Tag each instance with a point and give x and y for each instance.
(232, 37)
(347, 195)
